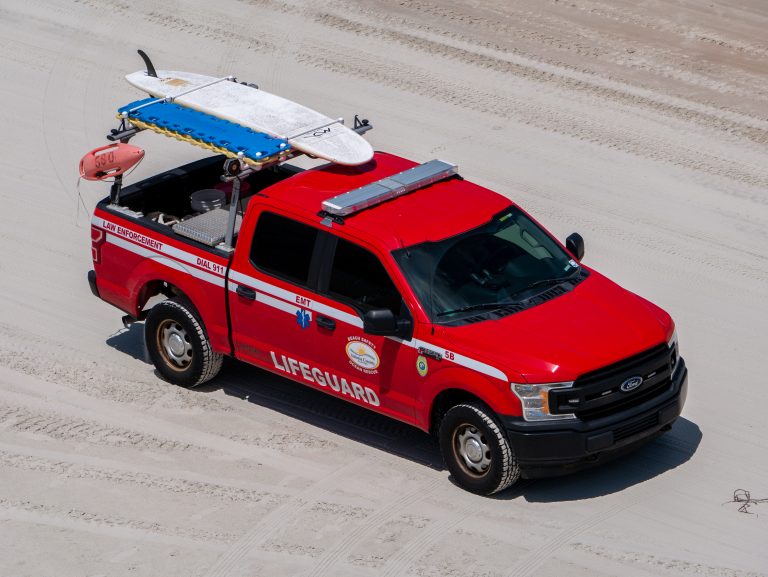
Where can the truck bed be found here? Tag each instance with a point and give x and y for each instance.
(162, 202)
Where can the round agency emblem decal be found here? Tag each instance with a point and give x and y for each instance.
(362, 356)
(421, 366)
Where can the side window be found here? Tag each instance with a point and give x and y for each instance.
(283, 247)
(359, 278)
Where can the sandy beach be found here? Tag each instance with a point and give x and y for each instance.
(641, 125)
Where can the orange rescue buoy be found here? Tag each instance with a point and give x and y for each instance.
(111, 160)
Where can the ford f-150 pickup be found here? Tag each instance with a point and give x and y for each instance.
(402, 288)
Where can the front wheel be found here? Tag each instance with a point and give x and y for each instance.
(178, 345)
(476, 450)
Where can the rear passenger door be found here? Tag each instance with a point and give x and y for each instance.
(271, 293)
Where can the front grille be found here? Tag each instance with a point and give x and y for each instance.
(597, 394)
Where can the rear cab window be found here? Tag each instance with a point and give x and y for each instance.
(283, 247)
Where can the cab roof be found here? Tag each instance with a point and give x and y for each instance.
(431, 213)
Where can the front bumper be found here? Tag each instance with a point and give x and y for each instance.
(549, 449)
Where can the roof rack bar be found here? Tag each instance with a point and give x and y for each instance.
(172, 97)
(315, 128)
(389, 188)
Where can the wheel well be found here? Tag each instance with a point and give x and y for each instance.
(156, 288)
(444, 401)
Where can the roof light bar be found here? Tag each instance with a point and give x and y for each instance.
(389, 188)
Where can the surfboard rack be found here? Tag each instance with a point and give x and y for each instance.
(315, 129)
(361, 126)
(233, 140)
(124, 132)
(234, 171)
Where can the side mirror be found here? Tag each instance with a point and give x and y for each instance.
(382, 322)
(575, 245)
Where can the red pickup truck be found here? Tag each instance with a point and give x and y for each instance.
(405, 289)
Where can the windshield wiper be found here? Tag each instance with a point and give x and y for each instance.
(549, 281)
(477, 307)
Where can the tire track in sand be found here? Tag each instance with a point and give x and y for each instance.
(110, 524)
(63, 428)
(330, 559)
(398, 564)
(598, 130)
(279, 517)
(532, 562)
(754, 129)
(24, 458)
(654, 563)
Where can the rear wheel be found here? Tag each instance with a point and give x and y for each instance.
(178, 345)
(476, 450)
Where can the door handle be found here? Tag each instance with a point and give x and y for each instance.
(246, 292)
(326, 323)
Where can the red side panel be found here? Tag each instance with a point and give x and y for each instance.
(130, 257)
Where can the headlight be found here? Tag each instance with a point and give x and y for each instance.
(535, 401)
(674, 350)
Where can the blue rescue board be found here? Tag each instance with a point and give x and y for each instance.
(205, 130)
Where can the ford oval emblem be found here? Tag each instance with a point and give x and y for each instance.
(631, 383)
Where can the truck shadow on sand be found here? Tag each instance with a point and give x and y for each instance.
(325, 412)
(363, 426)
(130, 342)
(655, 458)
(342, 418)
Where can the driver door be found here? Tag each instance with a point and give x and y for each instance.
(352, 281)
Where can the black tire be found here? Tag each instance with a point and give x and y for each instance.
(476, 450)
(178, 345)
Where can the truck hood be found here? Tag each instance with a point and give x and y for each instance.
(596, 324)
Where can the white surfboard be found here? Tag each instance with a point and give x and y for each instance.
(304, 129)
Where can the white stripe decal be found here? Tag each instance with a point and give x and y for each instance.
(467, 362)
(290, 306)
(479, 366)
(342, 316)
(159, 246)
(291, 297)
(262, 286)
(165, 261)
(269, 301)
(286, 300)
(277, 303)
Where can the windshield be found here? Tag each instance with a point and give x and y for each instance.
(495, 268)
